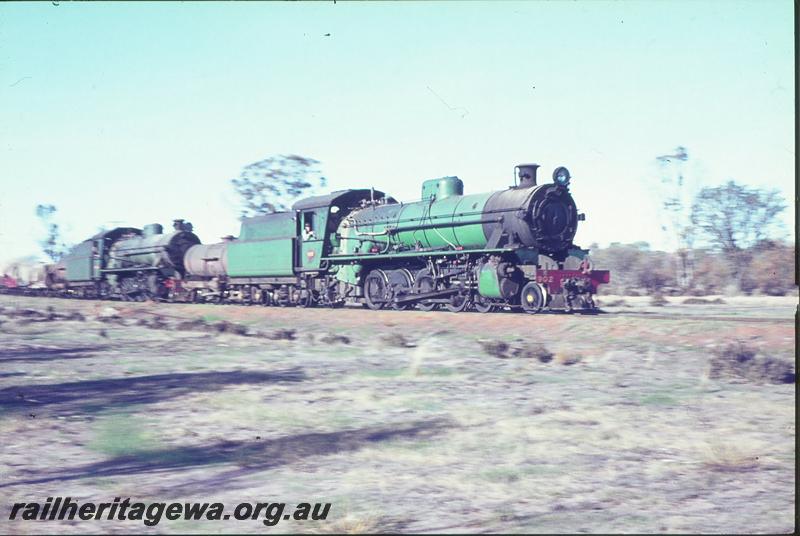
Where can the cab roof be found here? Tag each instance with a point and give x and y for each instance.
(341, 198)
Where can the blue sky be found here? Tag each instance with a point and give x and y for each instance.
(130, 113)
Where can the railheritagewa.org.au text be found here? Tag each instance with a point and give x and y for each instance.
(152, 513)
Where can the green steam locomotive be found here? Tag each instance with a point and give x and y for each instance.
(506, 249)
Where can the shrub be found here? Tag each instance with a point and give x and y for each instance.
(397, 340)
(658, 300)
(740, 361)
(703, 301)
(533, 350)
(332, 338)
(494, 347)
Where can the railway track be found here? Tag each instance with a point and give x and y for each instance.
(676, 315)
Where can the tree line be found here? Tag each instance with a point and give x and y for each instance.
(638, 270)
(724, 238)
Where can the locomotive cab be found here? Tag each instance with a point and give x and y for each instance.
(318, 219)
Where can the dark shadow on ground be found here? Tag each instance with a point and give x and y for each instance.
(49, 354)
(94, 395)
(249, 456)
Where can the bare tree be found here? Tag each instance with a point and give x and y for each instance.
(51, 245)
(734, 218)
(270, 185)
(676, 196)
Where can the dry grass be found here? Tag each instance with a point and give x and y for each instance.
(621, 302)
(354, 524)
(441, 437)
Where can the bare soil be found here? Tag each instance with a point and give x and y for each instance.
(404, 421)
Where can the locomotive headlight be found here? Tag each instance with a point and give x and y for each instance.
(561, 176)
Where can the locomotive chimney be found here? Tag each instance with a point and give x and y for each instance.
(181, 225)
(527, 175)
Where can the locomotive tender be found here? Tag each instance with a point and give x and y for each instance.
(509, 248)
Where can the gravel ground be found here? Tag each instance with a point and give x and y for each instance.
(403, 421)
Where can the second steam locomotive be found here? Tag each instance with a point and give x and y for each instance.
(510, 248)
